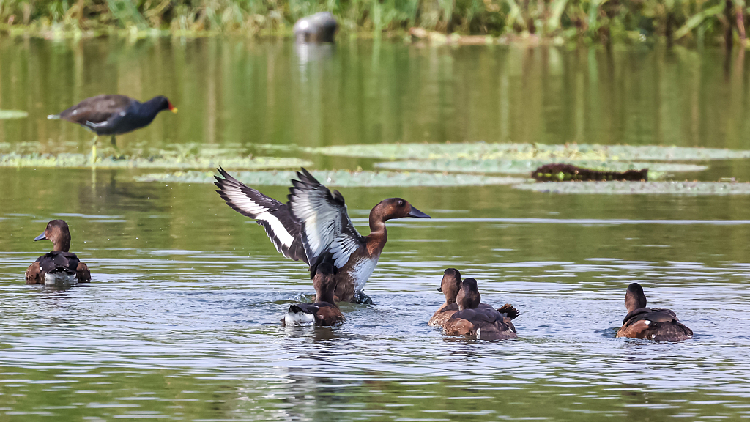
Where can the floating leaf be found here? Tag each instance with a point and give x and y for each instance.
(339, 178)
(627, 188)
(526, 166)
(547, 153)
(158, 162)
(13, 114)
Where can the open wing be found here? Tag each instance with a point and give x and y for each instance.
(326, 225)
(284, 230)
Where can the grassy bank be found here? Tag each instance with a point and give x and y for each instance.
(682, 21)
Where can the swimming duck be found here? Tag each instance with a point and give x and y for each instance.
(314, 226)
(653, 324)
(451, 286)
(472, 320)
(60, 265)
(324, 311)
(114, 114)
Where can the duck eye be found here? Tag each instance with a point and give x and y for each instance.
(400, 202)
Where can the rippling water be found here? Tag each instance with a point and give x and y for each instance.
(181, 320)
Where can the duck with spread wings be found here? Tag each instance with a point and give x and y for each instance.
(314, 225)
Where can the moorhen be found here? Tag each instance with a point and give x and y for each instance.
(114, 115)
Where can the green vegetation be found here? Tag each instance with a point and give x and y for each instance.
(13, 114)
(628, 188)
(542, 152)
(142, 155)
(689, 21)
(152, 162)
(526, 166)
(339, 178)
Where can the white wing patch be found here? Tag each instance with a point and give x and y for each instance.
(322, 221)
(246, 204)
(242, 201)
(278, 229)
(342, 248)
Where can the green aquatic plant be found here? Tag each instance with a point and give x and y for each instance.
(526, 166)
(542, 152)
(630, 188)
(13, 114)
(338, 178)
(67, 160)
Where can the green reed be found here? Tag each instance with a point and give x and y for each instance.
(683, 21)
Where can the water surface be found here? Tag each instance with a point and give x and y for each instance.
(181, 321)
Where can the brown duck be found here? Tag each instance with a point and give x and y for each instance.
(481, 322)
(60, 265)
(451, 286)
(324, 311)
(647, 323)
(314, 226)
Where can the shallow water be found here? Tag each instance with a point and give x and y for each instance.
(181, 321)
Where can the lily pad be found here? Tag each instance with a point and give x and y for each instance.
(629, 188)
(157, 162)
(547, 153)
(338, 178)
(656, 170)
(13, 114)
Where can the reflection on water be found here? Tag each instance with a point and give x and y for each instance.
(181, 320)
(235, 90)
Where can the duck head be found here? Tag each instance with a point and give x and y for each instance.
(450, 285)
(468, 297)
(58, 233)
(391, 208)
(635, 298)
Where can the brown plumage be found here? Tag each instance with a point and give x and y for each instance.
(314, 226)
(60, 264)
(324, 311)
(450, 286)
(475, 321)
(656, 324)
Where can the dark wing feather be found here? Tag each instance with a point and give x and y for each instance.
(490, 323)
(97, 109)
(52, 262)
(326, 226)
(663, 314)
(284, 230)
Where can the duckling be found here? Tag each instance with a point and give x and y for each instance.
(653, 324)
(60, 265)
